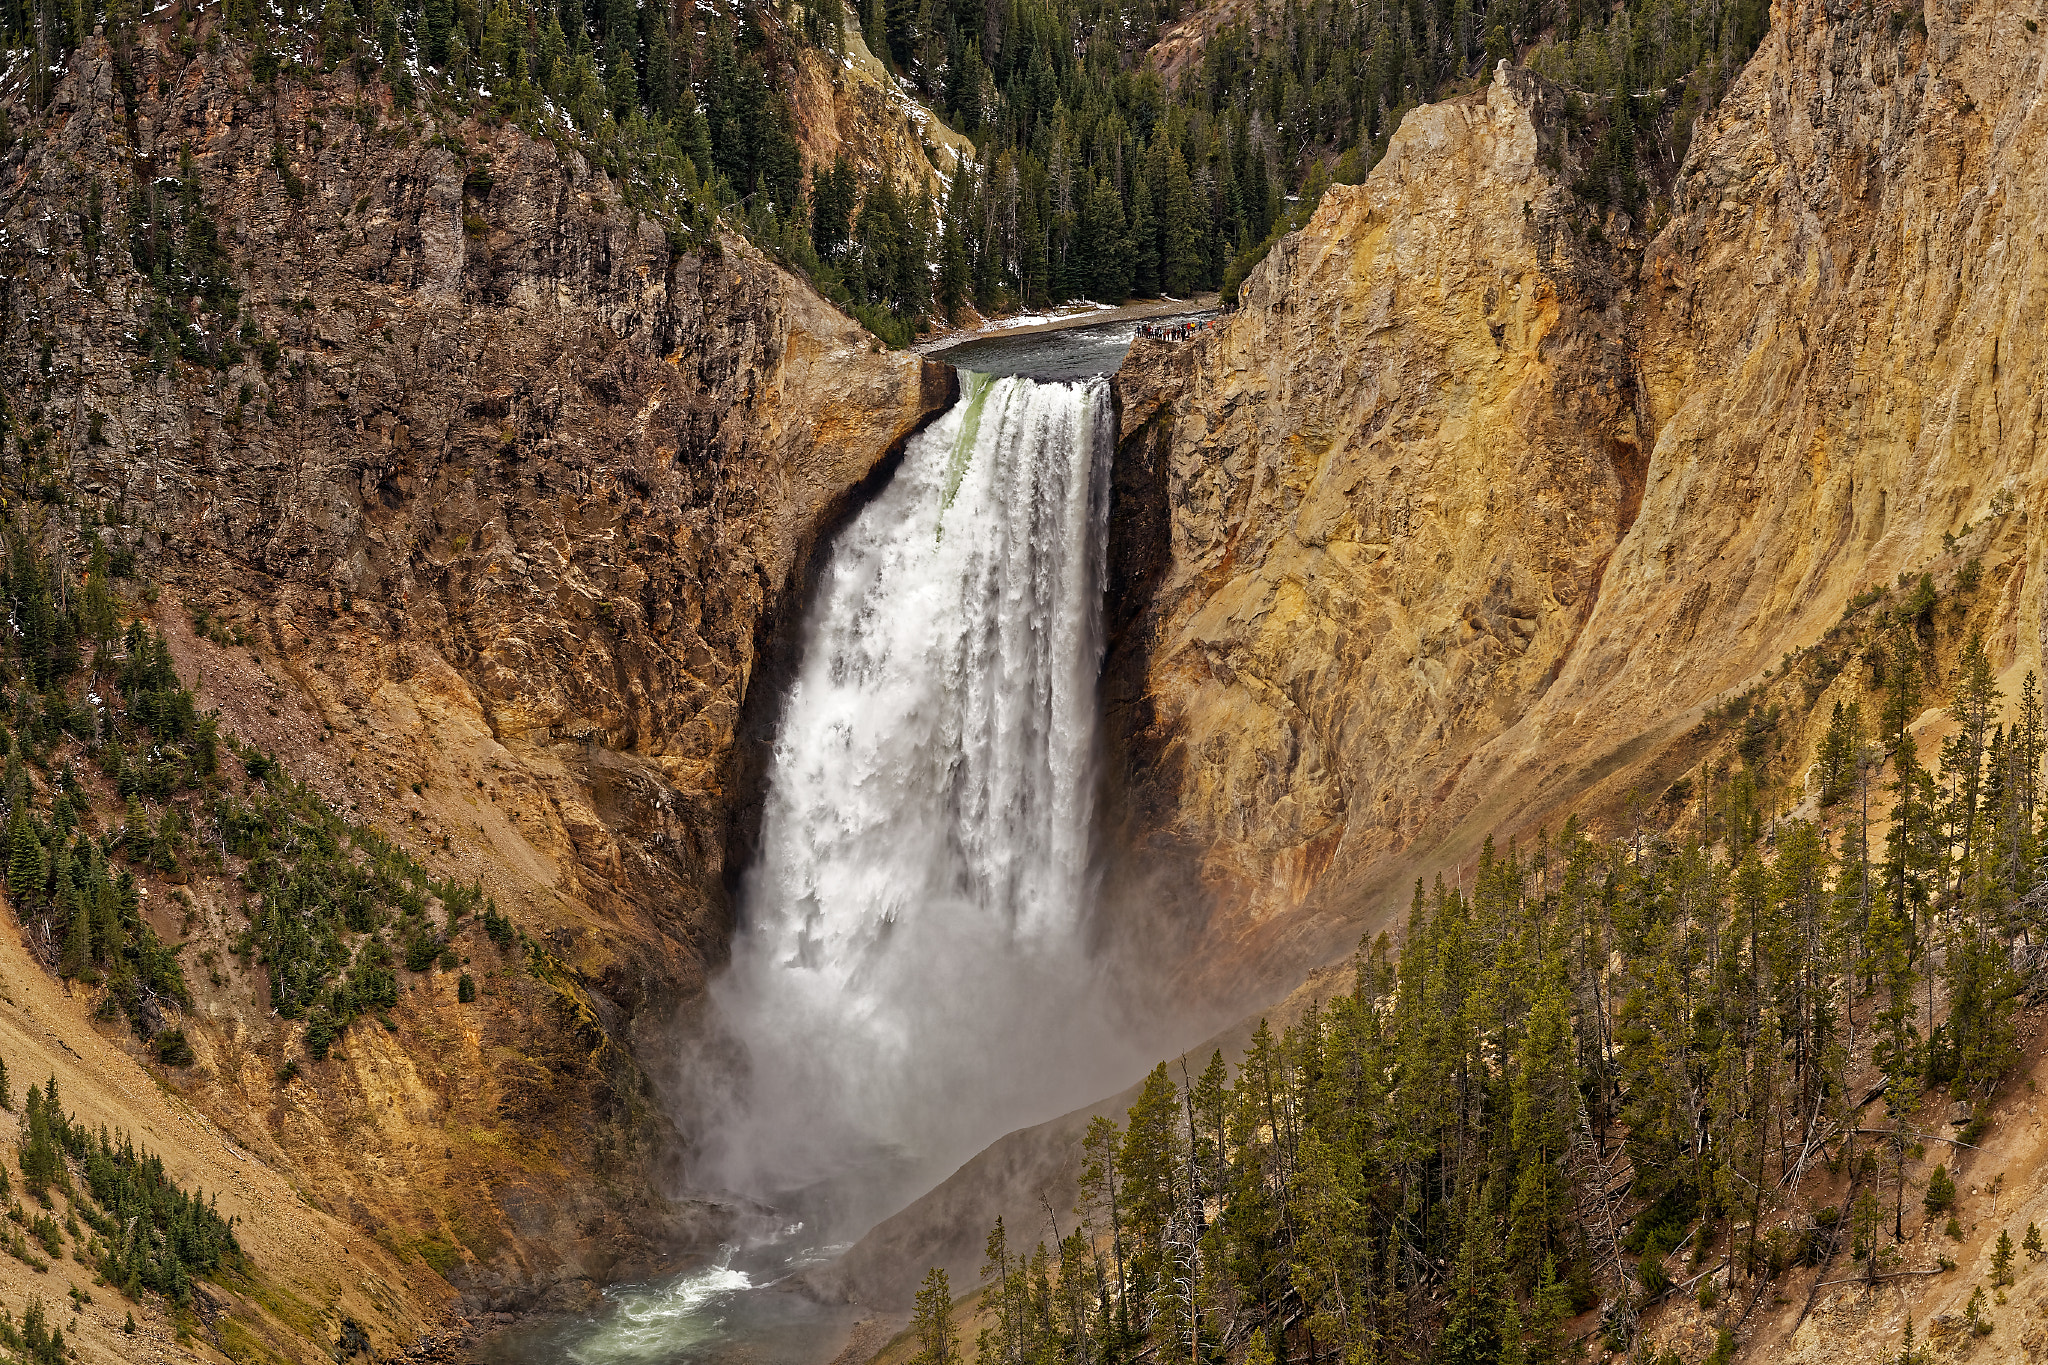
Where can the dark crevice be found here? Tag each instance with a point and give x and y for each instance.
(1153, 904)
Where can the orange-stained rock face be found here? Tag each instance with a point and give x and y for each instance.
(1393, 481)
(1467, 517)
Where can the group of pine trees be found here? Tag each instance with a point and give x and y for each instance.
(338, 909)
(335, 909)
(1094, 178)
(140, 1230)
(81, 908)
(1091, 177)
(35, 1339)
(1600, 1072)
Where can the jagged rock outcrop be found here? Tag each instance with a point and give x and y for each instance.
(1469, 517)
(849, 105)
(1388, 490)
(505, 492)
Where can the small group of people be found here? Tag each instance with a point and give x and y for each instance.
(1178, 331)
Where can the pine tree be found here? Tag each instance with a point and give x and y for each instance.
(731, 157)
(99, 611)
(551, 62)
(695, 136)
(1180, 264)
(437, 19)
(1109, 274)
(24, 857)
(1144, 231)
(954, 277)
(1003, 1341)
(1836, 758)
(1472, 1331)
(1543, 1101)
(1208, 1110)
(384, 21)
(2001, 1260)
(1906, 852)
(1514, 1350)
(1550, 1309)
(77, 960)
(932, 1322)
(1941, 1191)
(1151, 1157)
(833, 195)
(1100, 1199)
(1984, 994)
(1973, 709)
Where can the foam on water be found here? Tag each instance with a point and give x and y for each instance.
(657, 1322)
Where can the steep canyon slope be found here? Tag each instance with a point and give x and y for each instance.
(473, 496)
(1461, 523)
(1390, 486)
(1475, 504)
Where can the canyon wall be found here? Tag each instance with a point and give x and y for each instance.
(1473, 506)
(482, 525)
(1458, 525)
(847, 104)
(1382, 498)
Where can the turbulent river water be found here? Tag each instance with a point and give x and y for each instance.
(912, 974)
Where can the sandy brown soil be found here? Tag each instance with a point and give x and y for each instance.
(310, 1269)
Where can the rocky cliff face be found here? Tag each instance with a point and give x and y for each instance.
(849, 105)
(502, 496)
(1389, 489)
(1469, 515)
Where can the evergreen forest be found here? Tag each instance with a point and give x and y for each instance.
(1094, 175)
(1592, 1073)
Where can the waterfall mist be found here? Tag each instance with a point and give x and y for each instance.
(911, 977)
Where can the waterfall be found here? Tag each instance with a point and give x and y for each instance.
(911, 975)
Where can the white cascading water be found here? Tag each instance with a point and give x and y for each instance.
(912, 978)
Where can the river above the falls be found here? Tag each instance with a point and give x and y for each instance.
(1068, 353)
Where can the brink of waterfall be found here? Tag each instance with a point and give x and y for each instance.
(912, 977)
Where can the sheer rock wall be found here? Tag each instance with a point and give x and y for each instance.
(1388, 489)
(1468, 513)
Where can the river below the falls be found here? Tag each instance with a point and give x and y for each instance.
(741, 1308)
